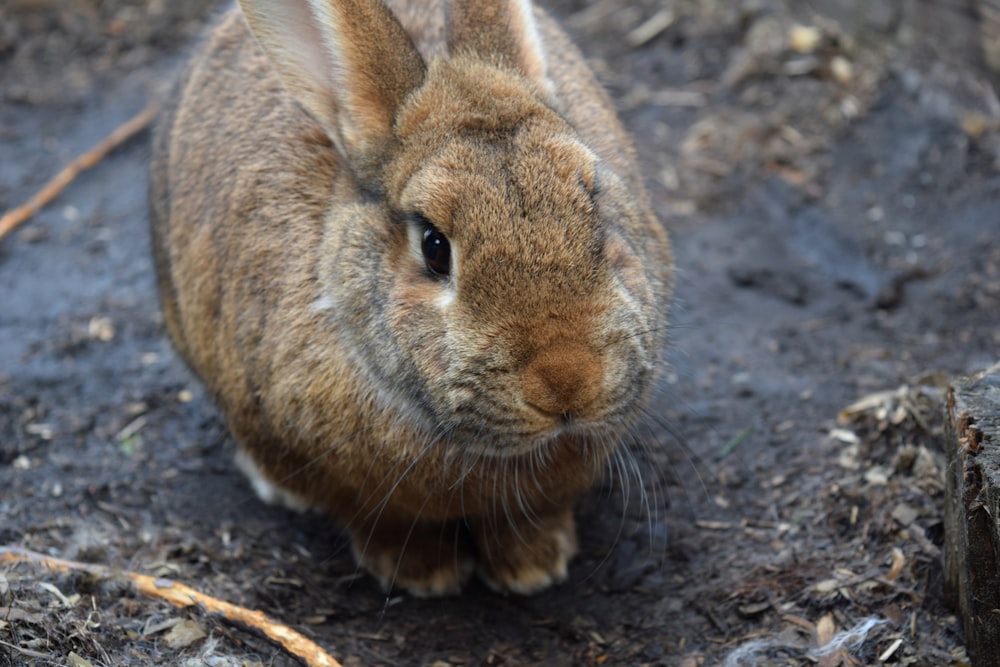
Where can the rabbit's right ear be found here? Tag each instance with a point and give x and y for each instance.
(501, 29)
(349, 63)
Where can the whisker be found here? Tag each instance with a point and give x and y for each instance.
(380, 507)
(630, 336)
(616, 464)
(646, 507)
(527, 510)
(693, 458)
(402, 552)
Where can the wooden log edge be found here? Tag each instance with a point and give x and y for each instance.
(972, 512)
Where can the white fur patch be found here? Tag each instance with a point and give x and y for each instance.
(323, 304)
(267, 490)
(445, 298)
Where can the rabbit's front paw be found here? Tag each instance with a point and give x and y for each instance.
(528, 557)
(424, 560)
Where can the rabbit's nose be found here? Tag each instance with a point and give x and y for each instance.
(563, 379)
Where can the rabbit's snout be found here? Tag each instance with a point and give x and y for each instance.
(563, 379)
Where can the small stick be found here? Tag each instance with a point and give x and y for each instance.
(14, 218)
(182, 596)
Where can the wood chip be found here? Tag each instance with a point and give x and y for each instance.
(677, 98)
(898, 562)
(827, 586)
(64, 601)
(649, 29)
(905, 514)
(845, 436)
(888, 653)
(804, 623)
(714, 525)
(754, 609)
(18, 615)
(842, 70)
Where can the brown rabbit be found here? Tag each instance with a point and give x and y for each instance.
(409, 252)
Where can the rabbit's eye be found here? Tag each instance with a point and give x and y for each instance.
(437, 252)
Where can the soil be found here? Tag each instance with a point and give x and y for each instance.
(835, 211)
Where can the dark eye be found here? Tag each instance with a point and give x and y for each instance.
(437, 251)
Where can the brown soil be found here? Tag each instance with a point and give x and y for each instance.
(836, 216)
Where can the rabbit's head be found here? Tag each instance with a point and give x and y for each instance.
(491, 269)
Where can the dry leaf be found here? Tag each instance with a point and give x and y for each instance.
(826, 628)
(74, 660)
(898, 561)
(184, 634)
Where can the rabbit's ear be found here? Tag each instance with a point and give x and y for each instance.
(500, 29)
(348, 62)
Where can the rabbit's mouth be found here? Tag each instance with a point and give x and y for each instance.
(555, 426)
(592, 439)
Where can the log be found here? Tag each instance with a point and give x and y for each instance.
(972, 512)
(989, 30)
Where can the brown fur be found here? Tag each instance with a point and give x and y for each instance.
(439, 420)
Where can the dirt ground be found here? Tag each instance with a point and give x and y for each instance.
(833, 194)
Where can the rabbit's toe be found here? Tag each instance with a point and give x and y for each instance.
(529, 558)
(425, 562)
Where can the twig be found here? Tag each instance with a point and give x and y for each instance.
(26, 651)
(14, 218)
(651, 28)
(182, 596)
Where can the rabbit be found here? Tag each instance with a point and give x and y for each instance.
(407, 249)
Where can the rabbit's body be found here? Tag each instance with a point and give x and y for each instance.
(439, 410)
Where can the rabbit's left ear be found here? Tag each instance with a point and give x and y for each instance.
(348, 62)
(503, 30)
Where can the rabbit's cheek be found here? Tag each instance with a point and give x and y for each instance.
(415, 315)
(627, 267)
